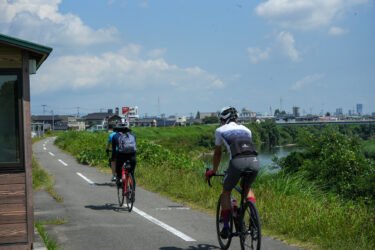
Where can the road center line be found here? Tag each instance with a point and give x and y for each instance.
(62, 162)
(85, 178)
(51, 153)
(163, 225)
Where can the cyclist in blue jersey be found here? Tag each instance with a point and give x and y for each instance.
(242, 154)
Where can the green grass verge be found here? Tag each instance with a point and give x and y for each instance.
(42, 180)
(48, 242)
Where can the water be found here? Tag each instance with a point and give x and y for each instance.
(267, 154)
(265, 157)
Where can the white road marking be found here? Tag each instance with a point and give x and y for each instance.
(62, 162)
(163, 225)
(44, 148)
(51, 153)
(85, 178)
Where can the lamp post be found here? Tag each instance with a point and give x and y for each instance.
(53, 121)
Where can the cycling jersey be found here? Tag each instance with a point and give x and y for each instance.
(237, 138)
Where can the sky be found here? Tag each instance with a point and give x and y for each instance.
(178, 57)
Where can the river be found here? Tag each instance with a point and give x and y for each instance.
(265, 157)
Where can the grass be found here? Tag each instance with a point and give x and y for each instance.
(42, 180)
(40, 226)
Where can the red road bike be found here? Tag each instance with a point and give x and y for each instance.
(125, 187)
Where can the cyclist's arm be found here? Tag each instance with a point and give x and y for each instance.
(216, 158)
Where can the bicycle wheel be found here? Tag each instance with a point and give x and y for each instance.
(250, 235)
(120, 194)
(224, 243)
(130, 192)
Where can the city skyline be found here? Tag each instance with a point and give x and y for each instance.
(188, 56)
(295, 109)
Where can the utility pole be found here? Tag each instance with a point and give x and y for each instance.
(44, 108)
(77, 112)
(158, 105)
(53, 121)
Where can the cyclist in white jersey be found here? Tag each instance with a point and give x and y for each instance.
(243, 156)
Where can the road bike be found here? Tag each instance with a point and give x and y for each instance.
(244, 221)
(125, 187)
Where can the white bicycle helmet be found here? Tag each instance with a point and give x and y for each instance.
(228, 114)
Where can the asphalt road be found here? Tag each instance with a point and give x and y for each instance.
(93, 219)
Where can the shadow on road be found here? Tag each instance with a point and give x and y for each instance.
(197, 247)
(108, 184)
(107, 206)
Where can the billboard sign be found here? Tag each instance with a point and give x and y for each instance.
(125, 110)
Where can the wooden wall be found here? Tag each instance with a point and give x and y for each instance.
(10, 57)
(13, 220)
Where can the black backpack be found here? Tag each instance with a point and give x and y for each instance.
(126, 143)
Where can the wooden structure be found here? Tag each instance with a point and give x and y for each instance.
(18, 59)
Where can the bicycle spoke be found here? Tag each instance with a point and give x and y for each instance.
(250, 233)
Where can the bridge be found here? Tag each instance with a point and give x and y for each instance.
(322, 123)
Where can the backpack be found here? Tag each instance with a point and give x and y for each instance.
(126, 143)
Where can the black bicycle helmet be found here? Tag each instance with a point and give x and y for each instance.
(228, 114)
(122, 127)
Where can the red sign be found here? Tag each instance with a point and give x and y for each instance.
(125, 110)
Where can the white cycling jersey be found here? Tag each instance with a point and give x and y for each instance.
(236, 137)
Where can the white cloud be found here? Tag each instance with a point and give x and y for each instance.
(118, 71)
(286, 43)
(157, 53)
(306, 81)
(257, 55)
(337, 31)
(41, 21)
(304, 14)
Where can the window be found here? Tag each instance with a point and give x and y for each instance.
(10, 132)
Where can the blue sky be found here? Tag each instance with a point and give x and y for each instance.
(180, 57)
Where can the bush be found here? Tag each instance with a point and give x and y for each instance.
(334, 162)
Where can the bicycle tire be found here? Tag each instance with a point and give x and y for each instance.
(250, 235)
(130, 192)
(224, 243)
(120, 194)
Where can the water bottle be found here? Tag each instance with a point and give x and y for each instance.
(234, 207)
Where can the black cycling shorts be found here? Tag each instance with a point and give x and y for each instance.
(236, 167)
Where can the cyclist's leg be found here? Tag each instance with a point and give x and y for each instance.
(133, 163)
(230, 180)
(120, 159)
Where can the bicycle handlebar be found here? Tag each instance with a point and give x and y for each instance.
(209, 179)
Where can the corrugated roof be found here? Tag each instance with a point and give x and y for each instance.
(38, 52)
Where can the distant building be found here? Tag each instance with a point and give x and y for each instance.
(58, 122)
(339, 112)
(296, 111)
(203, 115)
(359, 109)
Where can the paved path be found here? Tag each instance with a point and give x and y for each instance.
(95, 221)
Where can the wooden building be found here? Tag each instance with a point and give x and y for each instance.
(18, 59)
